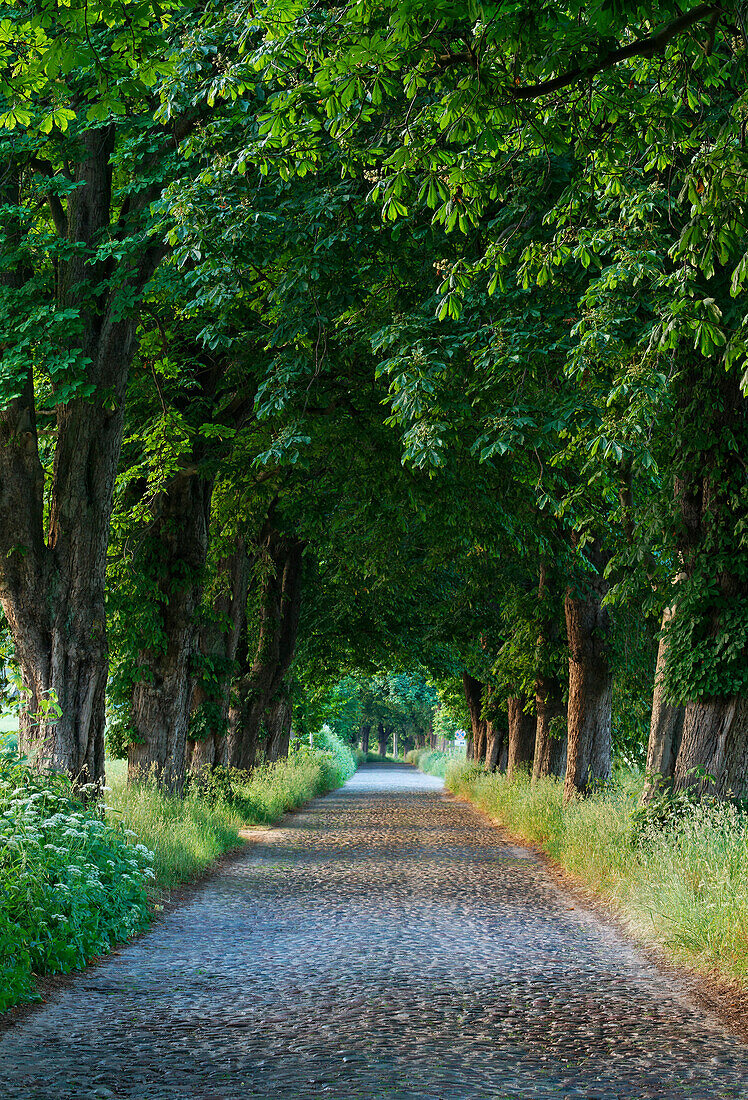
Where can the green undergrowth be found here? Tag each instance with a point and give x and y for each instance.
(72, 883)
(434, 762)
(76, 880)
(187, 833)
(679, 879)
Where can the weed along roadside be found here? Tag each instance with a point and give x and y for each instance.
(76, 880)
(680, 885)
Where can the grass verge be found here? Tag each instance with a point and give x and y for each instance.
(680, 883)
(187, 834)
(434, 762)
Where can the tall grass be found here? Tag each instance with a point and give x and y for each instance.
(433, 761)
(681, 883)
(184, 834)
(187, 833)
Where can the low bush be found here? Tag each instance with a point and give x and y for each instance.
(343, 759)
(681, 880)
(72, 884)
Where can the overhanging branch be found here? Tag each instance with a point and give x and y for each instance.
(644, 47)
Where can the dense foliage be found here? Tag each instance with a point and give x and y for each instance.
(72, 883)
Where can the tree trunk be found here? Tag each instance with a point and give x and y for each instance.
(394, 743)
(178, 544)
(365, 732)
(382, 738)
(715, 744)
(548, 696)
(548, 705)
(258, 683)
(521, 744)
(557, 764)
(480, 746)
(709, 483)
(278, 726)
(52, 585)
(496, 738)
(474, 692)
(217, 647)
(666, 725)
(590, 684)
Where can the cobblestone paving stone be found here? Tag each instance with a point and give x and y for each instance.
(386, 943)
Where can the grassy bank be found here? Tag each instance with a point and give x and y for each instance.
(186, 834)
(434, 762)
(681, 883)
(75, 881)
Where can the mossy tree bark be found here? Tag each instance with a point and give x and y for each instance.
(52, 576)
(666, 724)
(706, 637)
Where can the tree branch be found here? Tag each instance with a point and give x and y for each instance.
(644, 47)
(56, 209)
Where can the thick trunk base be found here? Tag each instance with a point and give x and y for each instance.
(715, 743)
(67, 737)
(590, 693)
(521, 747)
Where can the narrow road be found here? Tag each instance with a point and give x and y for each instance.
(385, 943)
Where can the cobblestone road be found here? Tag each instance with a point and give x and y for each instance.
(384, 944)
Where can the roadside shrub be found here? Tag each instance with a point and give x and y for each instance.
(343, 761)
(414, 756)
(72, 885)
